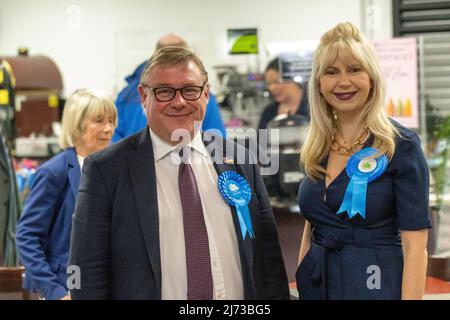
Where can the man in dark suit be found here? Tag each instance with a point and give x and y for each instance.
(149, 227)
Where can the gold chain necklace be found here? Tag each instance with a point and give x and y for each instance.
(345, 150)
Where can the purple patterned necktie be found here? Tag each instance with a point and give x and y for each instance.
(198, 262)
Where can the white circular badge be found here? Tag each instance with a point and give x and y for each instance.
(367, 165)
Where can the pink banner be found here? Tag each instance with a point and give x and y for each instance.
(398, 60)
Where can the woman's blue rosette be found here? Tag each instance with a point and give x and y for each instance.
(236, 192)
(361, 171)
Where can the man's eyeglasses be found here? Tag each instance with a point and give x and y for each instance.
(165, 94)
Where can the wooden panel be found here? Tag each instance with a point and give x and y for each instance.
(290, 230)
(439, 268)
(11, 281)
(35, 116)
(35, 72)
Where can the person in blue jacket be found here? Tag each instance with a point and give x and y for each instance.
(43, 231)
(365, 198)
(130, 112)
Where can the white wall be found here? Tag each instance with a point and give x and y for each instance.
(96, 44)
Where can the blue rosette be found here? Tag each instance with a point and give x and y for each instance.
(361, 170)
(237, 193)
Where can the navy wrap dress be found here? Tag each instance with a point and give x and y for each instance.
(347, 255)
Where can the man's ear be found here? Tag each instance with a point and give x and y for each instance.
(142, 94)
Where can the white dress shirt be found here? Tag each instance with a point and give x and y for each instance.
(223, 245)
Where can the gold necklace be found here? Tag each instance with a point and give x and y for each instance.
(345, 150)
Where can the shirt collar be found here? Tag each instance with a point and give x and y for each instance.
(198, 145)
(162, 148)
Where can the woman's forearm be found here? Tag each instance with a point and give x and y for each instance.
(414, 275)
(415, 260)
(306, 242)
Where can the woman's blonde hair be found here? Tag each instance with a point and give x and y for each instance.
(346, 42)
(81, 105)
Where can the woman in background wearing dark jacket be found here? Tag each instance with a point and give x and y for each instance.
(290, 97)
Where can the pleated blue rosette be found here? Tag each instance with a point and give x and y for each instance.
(236, 192)
(361, 172)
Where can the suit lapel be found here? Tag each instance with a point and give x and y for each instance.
(223, 164)
(143, 179)
(74, 171)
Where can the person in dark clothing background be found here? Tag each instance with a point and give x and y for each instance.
(290, 97)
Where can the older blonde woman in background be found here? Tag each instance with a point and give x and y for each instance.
(43, 231)
(365, 198)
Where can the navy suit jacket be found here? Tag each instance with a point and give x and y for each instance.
(115, 234)
(43, 231)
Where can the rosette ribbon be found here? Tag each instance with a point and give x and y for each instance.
(361, 170)
(237, 193)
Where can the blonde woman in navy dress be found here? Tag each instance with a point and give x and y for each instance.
(378, 252)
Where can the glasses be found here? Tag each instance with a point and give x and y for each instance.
(165, 94)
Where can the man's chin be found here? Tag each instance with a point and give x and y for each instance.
(180, 133)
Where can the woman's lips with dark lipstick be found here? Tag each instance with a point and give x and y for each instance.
(345, 95)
